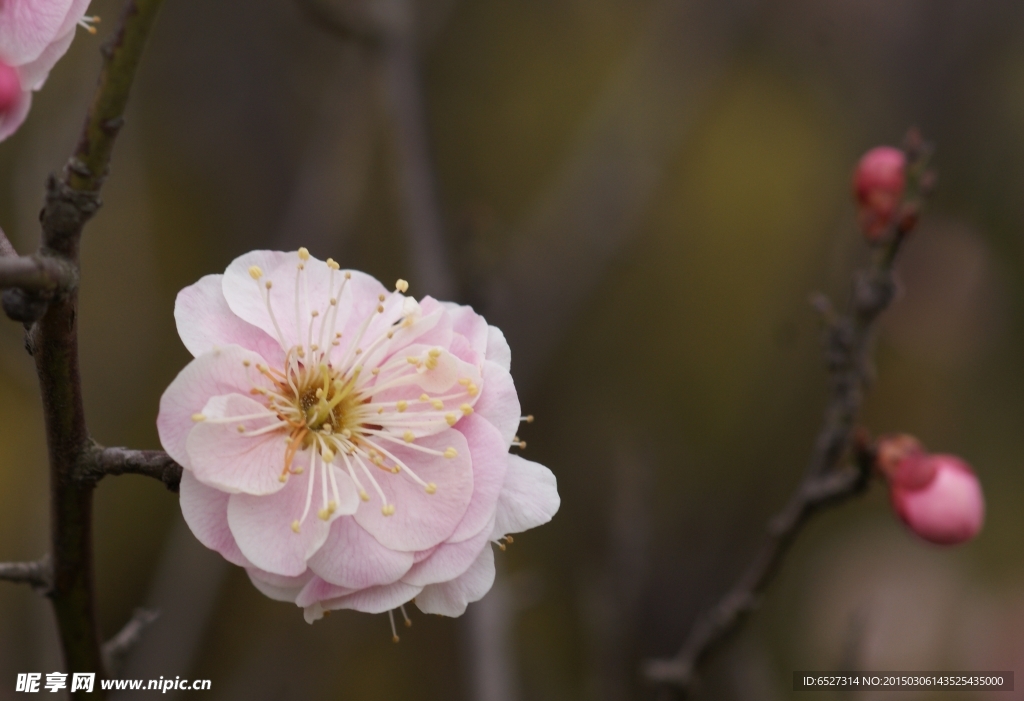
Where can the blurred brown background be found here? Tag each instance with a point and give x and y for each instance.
(642, 193)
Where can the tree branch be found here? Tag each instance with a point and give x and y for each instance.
(70, 202)
(97, 462)
(6, 249)
(37, 574)
(117, 648)
(36, 273)
(848, 356)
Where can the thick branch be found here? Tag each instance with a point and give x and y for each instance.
(118, 647)
(98, 462)
(70, 203)
(848, 354)
(6, 249)
(37, 574)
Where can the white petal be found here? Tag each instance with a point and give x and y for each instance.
(529, 497)
(451, 598)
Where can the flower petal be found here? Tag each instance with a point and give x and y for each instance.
(28, 26)
(318, 590)
(449, 560)
(497, 348)
(499, 401)
(451, 598)
(206, 512)
(421, 520)
(277, 587)
(262, 525)
(205, 321)
(375, 599)
(219, 372)
(490, 462)
(235, 462)
(529, 497)
(353, 558)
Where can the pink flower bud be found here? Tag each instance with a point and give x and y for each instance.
(10, 87)
(938, 497)
(878, 184)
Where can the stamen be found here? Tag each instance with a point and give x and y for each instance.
(403, 287)
(86, 23)
(528, 418)
(394, 633)
(408, 621)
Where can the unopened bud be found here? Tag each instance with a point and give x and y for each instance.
(878, 184)
(939, 498)
(893, 449)
(10, 87)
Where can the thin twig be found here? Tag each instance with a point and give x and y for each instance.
(36, 273)
(848, 354)
(6, 248)
(71, 201)
(98, 462)
(117, 648)
(37, 574)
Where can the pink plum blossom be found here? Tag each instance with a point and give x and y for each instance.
(939, 498)
(34, 34)
(347, 445)
(878, 184)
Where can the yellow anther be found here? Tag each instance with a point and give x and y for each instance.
(431, 487)
(402, 405)
(241, 428)
(472, 389)
(464, 381)
(295, 526)
(424, 397)
(450, 453)
(408, 437)
(359, 351)
(509, 539)
(502, 546)
(327, 455)
(380, 411)
(268, 284)
(413, 360)
(346, 433)
(395, 470)
(380, 308)
(466, 409)
(437, 404)
(246, 363)
(303, 253)
(391, 334)
(363, 495)
(381, 298)
(314, 313)
(314, 347)
(332, 264)
(282, 478)
(319, 392)
(332, 506)
(401, 285)
(255, 272)
(388, 509)
(348, 275)
(375, 371)
(529, 418)
(431, 363)
(334, 301)
(450, 418)
(434, 352)
(395, 638)
(198, 417)
(323, 514)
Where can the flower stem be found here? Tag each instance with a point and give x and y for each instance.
(53, 341)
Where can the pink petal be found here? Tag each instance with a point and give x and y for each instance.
(451, 598)
(374, 599)
(245, 296)
(28, 26)
(449, 560)
(277, 587)
(219, 372)
(34, 73)
(318, 590)
(205, 321)
(15, 116)
(262, 525)
(497, 348)
(528, 498)
(490, 463)
(471, 325)
(206, 512)
(421, 520)
(499, 401)
(234, 462)
(352, 558)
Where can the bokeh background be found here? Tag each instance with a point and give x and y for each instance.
(642, 194)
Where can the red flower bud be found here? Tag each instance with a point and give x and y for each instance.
(878, 184)
(10, 87)
(938, 497)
